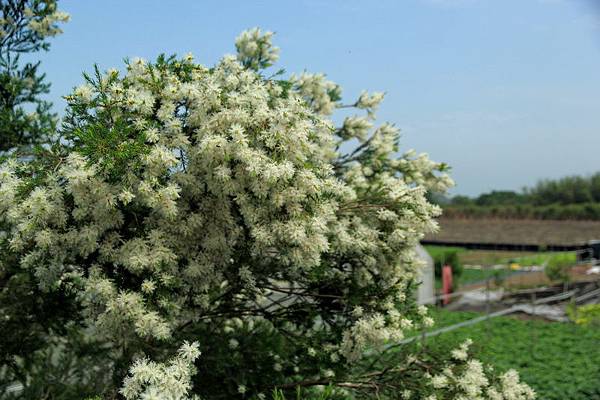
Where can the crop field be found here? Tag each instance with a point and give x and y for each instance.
(561, 361)
(520, 232)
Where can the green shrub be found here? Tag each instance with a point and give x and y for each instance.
(205, 209)
(588, 315)
(558, 266)
(448, 257)
(195, 209)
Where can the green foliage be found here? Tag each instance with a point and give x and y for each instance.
(558, 360)
(588, 315)
(567, 190)
(26, 121)
(324, 394)
(499, 197)
(114, 149)
(446, 256)
(25, 118)
(572, 197)
(68, 366)
(553, 259)
(113, 144)
(472, 275)
(559, 265)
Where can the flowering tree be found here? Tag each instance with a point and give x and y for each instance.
(25, 26)
(214, 206)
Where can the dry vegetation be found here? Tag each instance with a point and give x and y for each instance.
(518, 232)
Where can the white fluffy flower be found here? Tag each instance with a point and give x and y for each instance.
(370, 101)
(439, 381)
(171, 380)
(321, 94)
(461, 353)
(84, 92)
(255, 49)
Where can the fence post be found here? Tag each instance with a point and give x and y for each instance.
(487, 305)
(487, 296)
(532, 324)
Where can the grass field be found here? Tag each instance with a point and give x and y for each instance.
(560, 361)
(470, 276)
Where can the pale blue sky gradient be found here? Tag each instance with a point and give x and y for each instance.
(505, 91)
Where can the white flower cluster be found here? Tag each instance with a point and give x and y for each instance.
(255, 49)
(370, 102)
(236, 158)
(149, 380)
(461, 353)
(229, 163)
(420, 170)
(223, 201)
(46, 25)
(466, 379)
(321, 94)
(355, 127)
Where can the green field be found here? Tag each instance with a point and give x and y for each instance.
(561, 361)
(493, 257)
(486, 258)
(470, 275)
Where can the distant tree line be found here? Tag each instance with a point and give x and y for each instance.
(572, 197)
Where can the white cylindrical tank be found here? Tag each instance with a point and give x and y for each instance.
(426, 290)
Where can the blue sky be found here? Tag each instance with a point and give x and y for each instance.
(505, 91)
